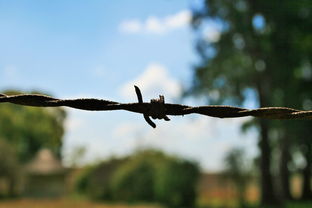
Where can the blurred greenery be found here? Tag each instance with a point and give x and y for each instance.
(9, 168)
(28, 129)
(147, 176)
(134, 181)
(23, 132)
(94, 180)
(260, 50)
(239, 171)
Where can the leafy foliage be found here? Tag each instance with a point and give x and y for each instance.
(9, 164)
(28, 129)
(9, 169)
(149, 176)
(134, 181)
(237, 169)
(263, 48)
(176, 183)
(95, 181)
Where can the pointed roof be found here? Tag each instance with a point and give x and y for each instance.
(45, 163)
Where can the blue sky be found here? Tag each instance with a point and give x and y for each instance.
(64, 41)
(78, 48)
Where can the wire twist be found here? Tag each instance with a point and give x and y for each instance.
(156, 108)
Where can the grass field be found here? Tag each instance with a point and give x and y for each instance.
(70, 203)
(26, 203)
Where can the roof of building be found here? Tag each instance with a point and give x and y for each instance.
(45, 163)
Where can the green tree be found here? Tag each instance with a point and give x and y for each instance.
(303, 144)
(237, 169)
(149, 176)
(9, 167)
(153, 176)
(95, 181)
(264, 48)
(134, 181)
(29, 129)
(176, 183)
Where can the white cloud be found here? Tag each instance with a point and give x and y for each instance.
(73, 123)
(131, 26)
(178, 20)
(212, 31)
(156, 25)
(212, 34)
(154, 81)
(126, 129)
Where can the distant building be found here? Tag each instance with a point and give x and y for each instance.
(45, 176)
(216, 189)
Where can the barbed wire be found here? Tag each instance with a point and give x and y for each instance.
(156, 108)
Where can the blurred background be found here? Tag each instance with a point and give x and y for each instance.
(195, 52)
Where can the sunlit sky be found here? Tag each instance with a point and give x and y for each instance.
(75, 48)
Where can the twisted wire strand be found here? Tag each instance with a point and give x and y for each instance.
(157, 108)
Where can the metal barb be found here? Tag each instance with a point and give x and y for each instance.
(139, 94)
(157, 108)
(140, 100)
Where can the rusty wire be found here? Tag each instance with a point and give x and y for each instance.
(157, 108)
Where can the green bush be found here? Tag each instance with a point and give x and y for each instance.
(134, 181)
(94, 181)
(9, 169)
(147, 176)
(176, 183)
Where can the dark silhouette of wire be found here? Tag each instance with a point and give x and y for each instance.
(157, 108)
